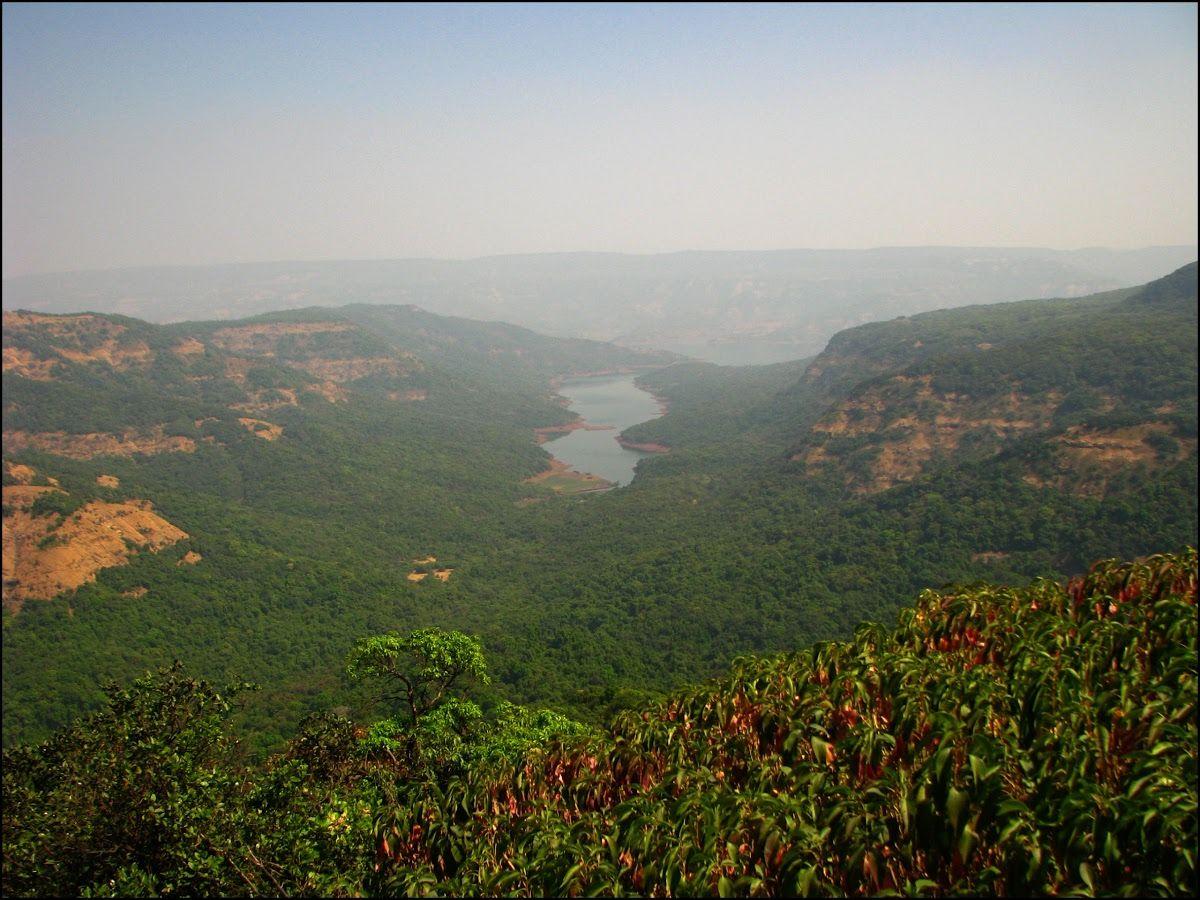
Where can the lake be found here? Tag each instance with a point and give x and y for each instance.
(603, 400)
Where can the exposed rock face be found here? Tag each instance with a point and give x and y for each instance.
(41, 560)
(911, 424)
(331, 351)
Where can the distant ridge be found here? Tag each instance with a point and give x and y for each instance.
(1178, 287)
(726, 306)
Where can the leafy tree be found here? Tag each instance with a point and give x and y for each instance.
(126, 796)
(420, 667)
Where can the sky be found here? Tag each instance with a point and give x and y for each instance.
(161, 134)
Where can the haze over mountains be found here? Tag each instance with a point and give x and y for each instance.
(734, 307)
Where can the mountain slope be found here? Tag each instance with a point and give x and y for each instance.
(1099, 383)
(1015, 742)
(305, 464)
(1027, 741)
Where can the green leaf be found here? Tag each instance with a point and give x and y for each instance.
(1088, 874)
(956, 802)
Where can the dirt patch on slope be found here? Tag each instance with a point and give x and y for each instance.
(332, 392)
(263, 339)
(189, 559)
(989, 556)
(563, 479)
(912, 423)
(188, 347)
(111, 353)
(340, 371)
(41, 561)
(80, 339)
(413, 396)
(20, 473)
(87, 446)
(236, 368)
(268, 431)
(266, 400)
(108, 481)
(22, 496)
(1117, 447)
(22, 362)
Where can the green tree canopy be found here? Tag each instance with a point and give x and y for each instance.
(421, 666)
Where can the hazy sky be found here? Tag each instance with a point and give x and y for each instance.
(137, 135)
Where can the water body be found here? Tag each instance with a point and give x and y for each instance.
(603, 400)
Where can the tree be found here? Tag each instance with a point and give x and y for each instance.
(422, 665)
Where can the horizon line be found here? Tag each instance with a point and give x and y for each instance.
(548, 253)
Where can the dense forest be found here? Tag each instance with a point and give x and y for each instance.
(996, 740)
(797, 500)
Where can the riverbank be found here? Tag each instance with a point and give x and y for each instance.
(550, 432)
(562, 479)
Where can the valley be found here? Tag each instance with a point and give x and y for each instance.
(308, 457)
(599, 450)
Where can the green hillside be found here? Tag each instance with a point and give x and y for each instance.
(1001, 741)
(383, 457)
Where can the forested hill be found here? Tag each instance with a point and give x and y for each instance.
(1080, 388)
(176, 485)
(997, 741)
(1083, 386)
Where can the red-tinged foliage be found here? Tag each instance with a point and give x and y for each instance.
(998, 741)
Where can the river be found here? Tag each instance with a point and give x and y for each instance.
(612, 400)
